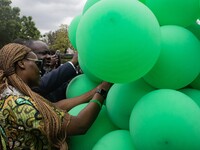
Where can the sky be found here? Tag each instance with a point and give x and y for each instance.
(48, 15)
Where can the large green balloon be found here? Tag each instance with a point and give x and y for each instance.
(72, 30)
(175, 12)
(196, 83)
(195, 29)
(122, 98)
(179, 63)
(118, 41)
(88, 4)
(165, 120)
(91, 76)
(100, 127)
(115, 140)
(192, 93)
(143, 1)
(79, 85)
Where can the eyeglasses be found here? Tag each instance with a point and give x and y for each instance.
(38, 62)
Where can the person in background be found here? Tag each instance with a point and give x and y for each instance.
(29, 121)
(41, 49)
(54, 83)
(55, 59)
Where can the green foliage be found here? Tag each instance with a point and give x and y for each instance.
(58, 40)
(13, 26)
(28, 29)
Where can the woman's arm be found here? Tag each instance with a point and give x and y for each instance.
(67, 104)
(82, 122)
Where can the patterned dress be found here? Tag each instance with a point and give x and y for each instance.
(21, 125)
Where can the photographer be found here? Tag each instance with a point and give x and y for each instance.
(53, 62)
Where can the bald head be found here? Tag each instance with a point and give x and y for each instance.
(38, 46)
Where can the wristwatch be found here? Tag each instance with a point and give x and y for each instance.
(102, 92)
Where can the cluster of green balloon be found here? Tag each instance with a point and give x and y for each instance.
(87, 72)
(100, 127)
(72, 30)
(178, 64)
(192, 93)
(115, 37)
(79, 85)
(121, 99)
(165, 119)
(88, 4)
(115, 140)
(177, 12)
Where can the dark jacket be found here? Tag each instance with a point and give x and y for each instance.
(53, 84)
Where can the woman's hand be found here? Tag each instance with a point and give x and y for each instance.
(105, 86)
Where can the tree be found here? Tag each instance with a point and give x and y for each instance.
(9, 21)
(58, 40)
(28, 29)
(12, 26)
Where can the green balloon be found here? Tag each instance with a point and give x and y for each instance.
(196, 83)
(143, 1)
(88, 4)
(195, 29)
(75, 110)
(121, 99)
(179, 63)
(91, 76)
(72, 30)
(165, 119)
(175, 12)
(79, 85)
(118, 41)
(99, 128)
(192, 93)
(115, 140)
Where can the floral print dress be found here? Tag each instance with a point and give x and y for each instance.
(21, 125)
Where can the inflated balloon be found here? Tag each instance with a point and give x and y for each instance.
(179, 63)
(165, 119)
(75, 110)
(79, 85)
(118, 41)
(88, 4)
(192, 93)
(72, 30)
(115, 140)
(121, 99)
(175, 12)
(87, 72)
(196, 83)
(195, 29)
(100, 127)
(143, 1)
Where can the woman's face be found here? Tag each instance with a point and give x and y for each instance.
(32, 70)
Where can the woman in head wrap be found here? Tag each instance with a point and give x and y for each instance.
(27, 120)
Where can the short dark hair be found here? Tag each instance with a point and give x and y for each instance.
(19, 41)
(27, 43)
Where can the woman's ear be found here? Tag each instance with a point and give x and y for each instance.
(20, 64)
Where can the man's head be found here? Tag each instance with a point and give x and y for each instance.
(41, 49)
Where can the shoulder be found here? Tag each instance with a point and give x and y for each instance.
(18, 100)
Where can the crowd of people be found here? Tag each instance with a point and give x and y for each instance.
(33, 103)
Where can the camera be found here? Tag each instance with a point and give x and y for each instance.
(57, 53)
